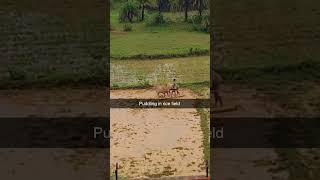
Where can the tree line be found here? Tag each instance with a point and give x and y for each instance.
(137, 8)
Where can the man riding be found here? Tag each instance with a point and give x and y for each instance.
(174, 87)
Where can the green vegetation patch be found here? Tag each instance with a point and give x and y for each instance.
(158, 44)
(144, 73)
(205, 127)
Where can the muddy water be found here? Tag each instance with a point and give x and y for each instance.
(146, 141)
(156, 142)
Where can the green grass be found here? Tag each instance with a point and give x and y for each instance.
(176, 39)
(201, 88)
(205, 127)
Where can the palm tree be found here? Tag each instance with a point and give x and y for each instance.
(159, 5)
(186, 4)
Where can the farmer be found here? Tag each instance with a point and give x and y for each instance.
(174, 87)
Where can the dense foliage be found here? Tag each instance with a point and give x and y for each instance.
(137, 10)
(128, 11)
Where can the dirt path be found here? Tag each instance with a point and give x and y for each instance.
(156, 142)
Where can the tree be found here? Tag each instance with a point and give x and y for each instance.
(186, 9)
(143, 4)
(200, 5)
(182, 5)
(159, 2)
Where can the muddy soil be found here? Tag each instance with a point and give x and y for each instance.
(156, 142)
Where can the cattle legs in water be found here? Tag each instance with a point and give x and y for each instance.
(175, 92)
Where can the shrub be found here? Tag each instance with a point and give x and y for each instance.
(197, 51)
(128, 11)
(156, 19)
(201, 23)
(195, 19)
(127, 27)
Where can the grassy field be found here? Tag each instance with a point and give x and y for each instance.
(150, 55)
(174, 39)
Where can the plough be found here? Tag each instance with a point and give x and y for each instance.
(171, 97)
